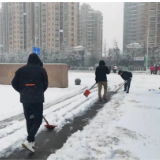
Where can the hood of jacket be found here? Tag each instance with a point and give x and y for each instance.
(101, 63)
(34, 59)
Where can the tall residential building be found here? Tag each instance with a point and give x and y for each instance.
(16, 26)
(41, 24)
(1, 29)
(141, 20)
(90, 29)
(70, 23)
(134, 23)
(153, 23)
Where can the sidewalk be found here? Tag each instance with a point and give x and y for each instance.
(49, 141)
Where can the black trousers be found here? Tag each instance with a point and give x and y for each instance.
(34, 114)
(127, 85)
(151, 72)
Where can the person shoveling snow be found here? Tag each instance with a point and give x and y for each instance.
(101, 79)
(127, 76)
(31, 81)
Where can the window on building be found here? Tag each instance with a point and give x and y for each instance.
(152, 25)
(152, 32)
(57, 45)
(158, 26)
(56, 29)
(57, 8)
(152, 13)
(152, 19)
(153, 5)
(57, 18)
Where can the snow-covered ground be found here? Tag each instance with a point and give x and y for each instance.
(14, 133)
(127, 128)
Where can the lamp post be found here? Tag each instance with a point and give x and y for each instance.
(147, 50)
(35, 41)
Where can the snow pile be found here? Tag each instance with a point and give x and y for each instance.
(126, 128)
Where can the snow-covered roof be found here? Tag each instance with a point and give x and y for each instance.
(134, 45)
(79, 48)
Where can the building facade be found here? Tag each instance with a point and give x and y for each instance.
(42, 24)
(141, 24)
(90, 29)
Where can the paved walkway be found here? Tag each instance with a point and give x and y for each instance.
(48, 142)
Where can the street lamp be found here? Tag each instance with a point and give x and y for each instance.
(35, 41)
(147, 50)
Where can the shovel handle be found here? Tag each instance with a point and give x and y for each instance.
(45, 120)
(121, 85)
(92, 86)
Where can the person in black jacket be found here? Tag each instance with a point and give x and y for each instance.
(31, 81)
(101, 79)
(127, 76)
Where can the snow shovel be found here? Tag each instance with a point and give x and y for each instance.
(87, 92)
(121, 86)
(48, 125)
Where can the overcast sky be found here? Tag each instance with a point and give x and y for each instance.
(112, 20)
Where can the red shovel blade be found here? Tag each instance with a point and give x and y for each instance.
(50, 126)
(86, 93)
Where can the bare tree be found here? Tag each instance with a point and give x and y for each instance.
(105, 50)
(116, 53)
(115, 43)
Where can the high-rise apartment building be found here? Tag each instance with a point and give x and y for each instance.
(1, 31)
(90, 29)
(141, 22)
(41, 24)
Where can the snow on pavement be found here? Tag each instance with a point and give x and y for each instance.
(59, 114)
(127, 128)
(10, 105)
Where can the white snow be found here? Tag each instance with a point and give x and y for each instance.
(127, 128)
(59, 112)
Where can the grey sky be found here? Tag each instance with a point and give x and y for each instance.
(112, 20)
